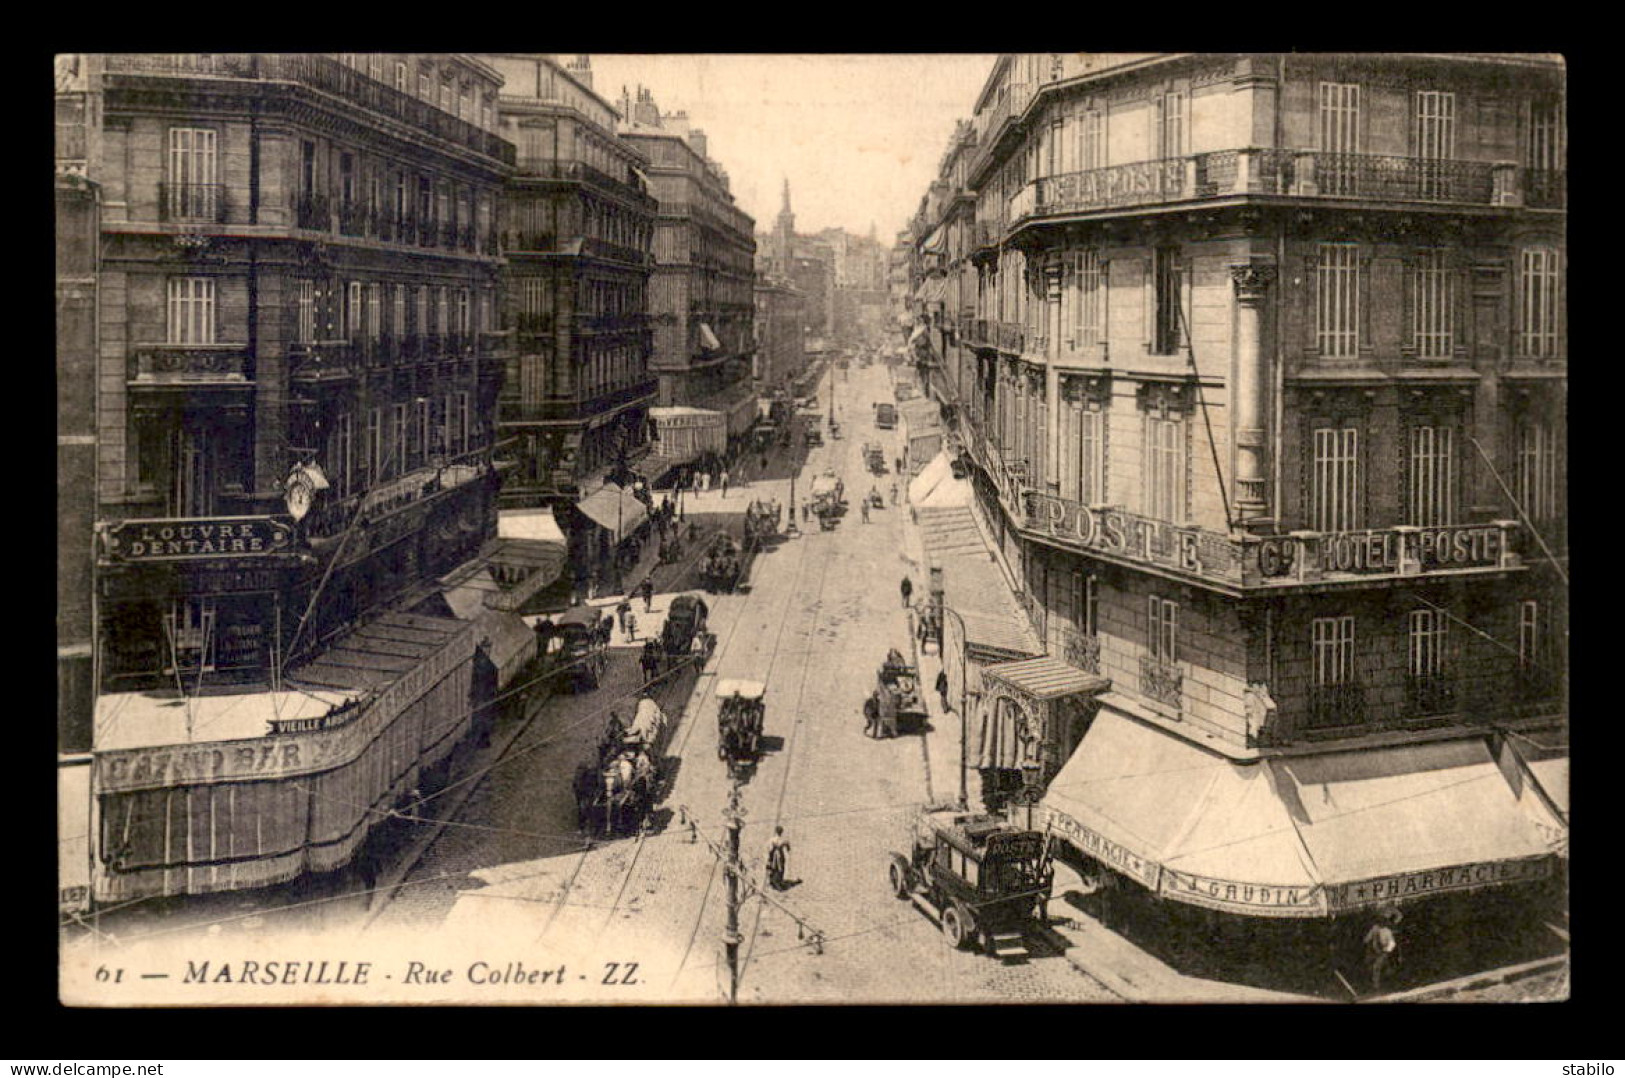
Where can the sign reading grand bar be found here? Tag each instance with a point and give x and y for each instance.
(1298, 557)
(202, 537)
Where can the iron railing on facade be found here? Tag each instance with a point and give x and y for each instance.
(312, 210)
(352, 218)
(1334, 706)
(1430, 694)
(1081, 650)
(1545, 188)
(203, 363)
(326, 74)
(1161, 681)
(321, 360)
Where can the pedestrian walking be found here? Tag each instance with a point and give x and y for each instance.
(806, 512)
(871, 716)
(764, 463)
(778, 859)
(724, 482)
(1381, 946)
(647, 588)
(705, 481)
(894, 493)
(622, 612)
(899, 468)
(866, 510)
(942, 688)
(907, 589)
(631, 625)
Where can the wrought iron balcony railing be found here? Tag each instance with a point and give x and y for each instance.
(1334, 706)
(352, 218)
(199, 202)
(1161, 681)
(1545, 188)
(1080, 650)
(312, 210)
(1430, 695)
(192, 364)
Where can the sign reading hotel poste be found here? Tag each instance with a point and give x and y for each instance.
(203, 537)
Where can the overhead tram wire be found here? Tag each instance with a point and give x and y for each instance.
(1201, 400)
(1522, 514)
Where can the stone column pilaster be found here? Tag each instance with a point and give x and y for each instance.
(1252, 281)
(1052, 379)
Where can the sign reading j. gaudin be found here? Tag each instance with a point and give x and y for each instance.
(219, 537)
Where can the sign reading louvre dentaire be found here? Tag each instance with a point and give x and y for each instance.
(209, 537)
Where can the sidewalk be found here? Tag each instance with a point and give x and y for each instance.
(1098, 952)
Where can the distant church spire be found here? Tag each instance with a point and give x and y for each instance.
(785, 209)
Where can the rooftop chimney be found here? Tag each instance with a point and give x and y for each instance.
(696, 140)
(581, 70)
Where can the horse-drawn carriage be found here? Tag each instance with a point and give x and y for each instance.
(683, 636)
(576, 649)
(761, 521)
(897, 684)
(828, 499)
(740, 713)
(875, 457)
(616, 791)
(722, 564)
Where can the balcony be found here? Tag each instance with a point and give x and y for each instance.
(1286, 172)
(1161, 681)
(311, 210)
(1010, 337)
(325, 74)
(594, 248)
(1333, 707)
(611, 323)
(1430, 695)
(448, 236)
(1080, 650)
(580, 172)
(352, 219)
(573, 408)
(190, 365)
(1545, 188)
(202, 203)
(322, 361)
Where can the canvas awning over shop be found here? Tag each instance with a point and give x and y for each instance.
(933, 473)
(1292, 836)
(708, 339)
(614, 509)
(509, 642)
(379, 651)
(1046, 678)
(920, 416)
(507, 571)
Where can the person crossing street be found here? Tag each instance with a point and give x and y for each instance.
(778, 859)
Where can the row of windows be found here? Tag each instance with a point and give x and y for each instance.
(397, 439)
(1337, 481)
(1428, 644)
(445, 89)
(370, 310)
(1338, 293)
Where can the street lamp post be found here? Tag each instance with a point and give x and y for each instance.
(964, 667)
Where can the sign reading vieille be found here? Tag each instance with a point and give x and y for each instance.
(207, 537)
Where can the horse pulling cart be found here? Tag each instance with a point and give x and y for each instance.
(828, 500)
(740, 715)
(761, 522)
(615, 793)
(722, 564)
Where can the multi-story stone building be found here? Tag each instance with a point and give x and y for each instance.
(780, 333)
(1262, 391)
(702, 291)
(293, 403)
(577, 228)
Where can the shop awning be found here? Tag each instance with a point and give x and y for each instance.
(708, 339)
(1293, 836)
(975, 589)
(613, 509)
(536, 525)
(1378, 814)
(507, 571)
(919, 331)
(932, 474)
(920, 417)
(378, 652)
(937, 242)
(1046, 678)
(508, 640)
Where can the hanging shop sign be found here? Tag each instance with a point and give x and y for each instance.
(189, 539)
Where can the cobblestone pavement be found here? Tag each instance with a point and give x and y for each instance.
(817, 618)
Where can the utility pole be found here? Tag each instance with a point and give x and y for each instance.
(731, 938)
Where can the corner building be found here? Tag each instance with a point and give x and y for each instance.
(294, 400)
(1258, 367)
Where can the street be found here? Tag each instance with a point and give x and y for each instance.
(817, 616)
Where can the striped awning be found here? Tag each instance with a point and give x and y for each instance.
(1047, 678)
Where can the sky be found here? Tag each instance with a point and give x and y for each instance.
(859, 136)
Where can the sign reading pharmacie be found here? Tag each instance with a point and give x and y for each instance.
(1349, 896)
(182, 539)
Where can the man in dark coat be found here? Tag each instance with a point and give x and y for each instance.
(647, 590)
(871, 716)
(907, 589)
(942, 688)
